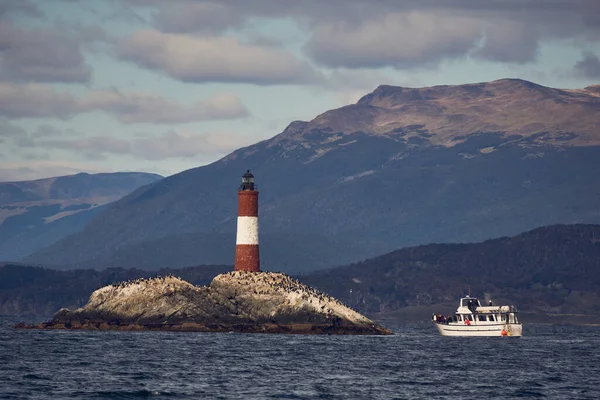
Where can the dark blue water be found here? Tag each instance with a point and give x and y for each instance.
(561, 362)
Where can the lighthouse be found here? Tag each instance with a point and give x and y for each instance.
(246, 245)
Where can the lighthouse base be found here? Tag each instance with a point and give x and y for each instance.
(247, 258)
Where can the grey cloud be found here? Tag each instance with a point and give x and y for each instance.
(357, 33)
(509, 41)
(400, 40)
(46, 130)
(31, 169)
(178, 145)
(95, 156)
(171, 144)
(213, 59)
(132, 108)
(588, 67)
(25, 141)
(198, 17)
(19, 6)
(40, 101)
(43, 54)
(36, 101)
(98, 144)
(35, 156)
(8, 130)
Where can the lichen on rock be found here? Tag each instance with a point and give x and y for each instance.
(236, 301)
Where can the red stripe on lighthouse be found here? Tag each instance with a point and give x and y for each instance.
(246, 248)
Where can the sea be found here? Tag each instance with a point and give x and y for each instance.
(549, 361)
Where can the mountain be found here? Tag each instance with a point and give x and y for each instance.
(401, 167)
(552, 270)
(35, 214)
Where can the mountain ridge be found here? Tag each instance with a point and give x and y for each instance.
(35, 214)
(551, 270)
(367, 191)
(448, 110)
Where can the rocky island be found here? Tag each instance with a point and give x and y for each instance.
(238, 301)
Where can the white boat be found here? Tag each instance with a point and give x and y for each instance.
(473, 319)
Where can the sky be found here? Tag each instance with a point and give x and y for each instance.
(166, 85)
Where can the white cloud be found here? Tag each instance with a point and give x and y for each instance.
(187, 145)
(32, 169)
(399, 40)
(146, 107)
(40, 101)
(97, 144)
(213, 59)
(171, 144)
(36, 101)
(396, 33)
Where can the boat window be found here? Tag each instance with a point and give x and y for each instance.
(471, 300)
(458, 317)
(482, 318)
(469, 317)
(491, 317)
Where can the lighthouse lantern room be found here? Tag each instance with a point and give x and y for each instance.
(247, 181)
(246, 248)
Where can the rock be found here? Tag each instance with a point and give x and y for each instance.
(237, 301)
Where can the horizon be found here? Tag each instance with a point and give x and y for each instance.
(123, 85)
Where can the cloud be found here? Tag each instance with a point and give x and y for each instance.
(19, 6)
(392, 33)
(44, 54)
(142, 107)
(588, 67)
(40, 101)
(170, 144)
(198, 17)
(99, 144)
(8, 130)
(36, 101)
(31, 169)
(187, 145)
(213, 59)
(399, 40)
(46, 130)
(509, 42)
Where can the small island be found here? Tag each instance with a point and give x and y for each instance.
(238, 301)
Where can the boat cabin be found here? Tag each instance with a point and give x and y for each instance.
(474, 319)
(471, 311)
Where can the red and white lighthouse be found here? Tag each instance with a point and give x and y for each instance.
(246, 245)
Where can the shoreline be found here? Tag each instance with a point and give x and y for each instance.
(302, 329)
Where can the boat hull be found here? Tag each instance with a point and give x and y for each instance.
(458, 329)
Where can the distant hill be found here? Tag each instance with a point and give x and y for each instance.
(552, 270)
(35, 214)
(401, 167)
(549, 270)
(36, 291)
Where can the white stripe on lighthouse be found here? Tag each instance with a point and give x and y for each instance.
(247, 230)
